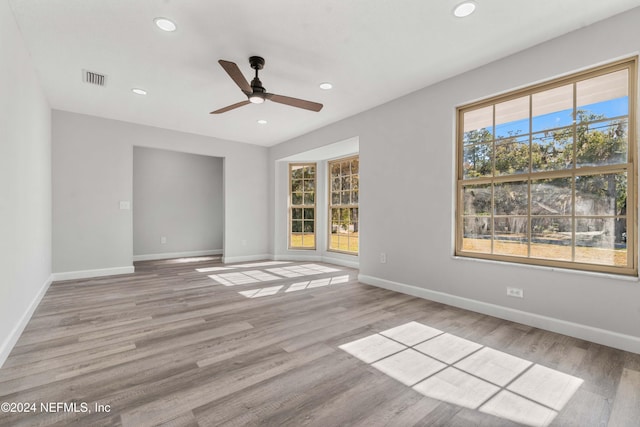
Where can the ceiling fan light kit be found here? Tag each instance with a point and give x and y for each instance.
(255, 92)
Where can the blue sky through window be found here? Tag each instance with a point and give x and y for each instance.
(611, 108)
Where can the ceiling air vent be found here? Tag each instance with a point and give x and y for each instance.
(93, 78)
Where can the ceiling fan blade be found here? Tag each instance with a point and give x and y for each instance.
(231, 107)
(295, 102)
(236, 75)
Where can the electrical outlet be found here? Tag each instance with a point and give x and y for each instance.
(383, 257)
(163, 240)
(515, 292)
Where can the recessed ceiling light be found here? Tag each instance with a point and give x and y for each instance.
(326, 85)
(464, 9)
(262, 122)
(139, 91)
(165, 24)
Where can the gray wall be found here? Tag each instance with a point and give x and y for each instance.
(178, 196)
(93, 172)
(409, 144)
(25, 185)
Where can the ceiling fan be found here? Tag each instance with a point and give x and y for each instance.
(256, 93)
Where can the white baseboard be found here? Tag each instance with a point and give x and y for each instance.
(342, 262)
(87, 274)
(12, 339)
(247, 258)
(168, 255)
(317, 258)
(297, 258)
(589, 333)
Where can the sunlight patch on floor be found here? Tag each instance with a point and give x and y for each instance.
(317, 283)
(302, 270)
(243, 278)
(458, 371)
(263, 292)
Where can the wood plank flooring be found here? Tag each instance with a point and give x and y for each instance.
(171, 345)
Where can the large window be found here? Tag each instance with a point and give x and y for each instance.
(344, 186)
(547, 175)
(302, 206)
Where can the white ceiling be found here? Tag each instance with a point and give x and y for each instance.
(371, 50)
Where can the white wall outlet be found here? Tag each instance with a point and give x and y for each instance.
(383, 257)
(515, 292)
(163, 240)
(125, 205)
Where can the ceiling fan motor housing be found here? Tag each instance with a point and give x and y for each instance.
(257, 62)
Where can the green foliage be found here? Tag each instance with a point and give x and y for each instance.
(598, 141)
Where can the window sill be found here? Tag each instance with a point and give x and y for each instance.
(620, 277)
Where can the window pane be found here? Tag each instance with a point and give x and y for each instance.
(309, 184)
(335, 242)
(552, 150)
(551, 238)
(512, 118)
(355, 166)
(477, 234)
(478, 125)
(477, 160)
(296, 172)
(353, 243)
(477, 199)
(354, 197)
(512, 158)
(355, 182)
(309, 171)
(602, 143)
(596, 242)
(604, 96)
(353, 214)
(510, 198)
(552, 108)
(296, 226)
(511, 236)
(308, 226)
(335, 169)
(309, 198)
(601, 194)
(335, 184)
(309, 213)
(335, 226)
(551, 196)
(345, 197)
(345, 168)
(335, 198)
(346, 183)
(345, 216)
(296, 213)
(296, 185)
(335, 214)
(308, 241)
(296, 198)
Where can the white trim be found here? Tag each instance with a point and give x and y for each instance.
(342, 262)
(318, 258)
(247, 258)
(547, 268)
(589, 333)
(296, 257)
(12, 339)
(86, 274)
(169, 255)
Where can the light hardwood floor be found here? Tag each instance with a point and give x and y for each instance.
(170, 345)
